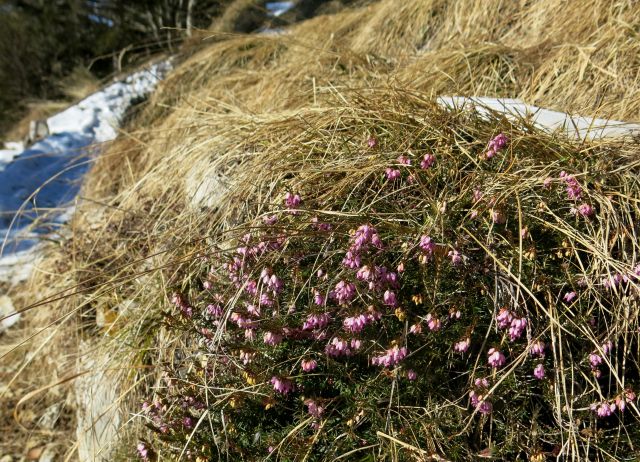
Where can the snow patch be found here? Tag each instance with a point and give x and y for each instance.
(8, 314)
(276, 9)
(38, 184)
(573, 126)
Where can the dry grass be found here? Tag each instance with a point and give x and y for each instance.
(235, 108)
(76, 86)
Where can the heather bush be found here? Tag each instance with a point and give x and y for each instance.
(413, 291)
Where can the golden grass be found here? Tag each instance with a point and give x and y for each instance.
(236, 106)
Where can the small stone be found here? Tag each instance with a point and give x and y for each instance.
(49, 455)
(6, 308)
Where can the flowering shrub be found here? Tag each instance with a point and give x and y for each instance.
(467, 305)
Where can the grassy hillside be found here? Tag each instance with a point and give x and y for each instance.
(494, 313)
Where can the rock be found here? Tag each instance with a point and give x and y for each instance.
(35, 453)
(6, 308)
(6, 458)
(205, 186)
(48, 455)
(50, 417)
(97, 413)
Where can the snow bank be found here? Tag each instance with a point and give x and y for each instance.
(278, 8)
(38, 184)
(573, 126)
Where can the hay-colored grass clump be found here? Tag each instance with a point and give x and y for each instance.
(536, 264)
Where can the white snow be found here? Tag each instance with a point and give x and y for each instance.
(38, 184)
(278, 8)
(573, 126)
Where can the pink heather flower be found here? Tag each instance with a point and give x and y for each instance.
(272, 338)
(538, 372)
(496, 145)
(481, 382)
(389, 277)
(187, 422)
(517, 327)
(547, 182)
(250, 335)
(477, 195)
(253, 310)
(282, 385)
(292, 200)
(207, 285)
(595, 360)
(498, 217)
(373, 314)
(356, 344)
(613, 281)
(427, 161)
(364, 273)
(365, 234)
(390, 298)
(473, 215)
(351, 259)
(415, 329)
(390, 357)
(316, 321)
(392, 173)
(372, 142)
(433, 323)
(270, 220)
(265, 300)
(400, 267)
(314, 409)
(319, 299)
(454, 313)
(214, 310)
(478, 401)
(504, 318)
(337, 347)
(537, 349)
(275, 284)
(251, 287)
(607, 346)
(411, 375)
(604, 409)
(143, 451)
(456, 257)
(629, 394)
(585, 210)
(355, 324)
(427, 245)
(404, 160)
(462, 346)
(344, 292)
(569, 296)
(495, 358)
(574, 190)
(309, 364)
(317, 224)
(247, 356)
